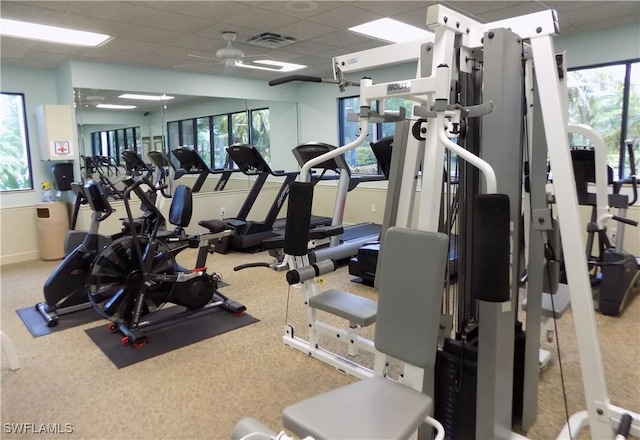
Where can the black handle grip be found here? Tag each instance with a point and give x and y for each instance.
(625, 426)
(286, 79)
(625, 220)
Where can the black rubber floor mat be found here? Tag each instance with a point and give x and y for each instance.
(165, 337)
(38, 327)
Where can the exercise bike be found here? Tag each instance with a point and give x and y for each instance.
(65, 290)
(135, 276)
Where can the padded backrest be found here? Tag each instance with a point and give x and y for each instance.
(181, 206)
(412, 274)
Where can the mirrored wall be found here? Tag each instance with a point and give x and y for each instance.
(109, 124)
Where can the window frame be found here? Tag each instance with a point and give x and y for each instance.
(117, 140)
(624, 116)
(230, 133)
(377, 132)
(26, 143)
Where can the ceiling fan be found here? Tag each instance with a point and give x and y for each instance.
(232, 57)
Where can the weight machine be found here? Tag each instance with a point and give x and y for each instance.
(503, 45)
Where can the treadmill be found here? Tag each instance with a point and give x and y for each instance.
(249, 234)
(364, 264)
(343, 246)
(190, 162)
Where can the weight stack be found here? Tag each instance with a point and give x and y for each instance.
(456, 384)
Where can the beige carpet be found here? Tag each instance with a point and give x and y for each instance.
(201, 391)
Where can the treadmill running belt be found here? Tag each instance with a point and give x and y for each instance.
(315, 222)
(355, 232)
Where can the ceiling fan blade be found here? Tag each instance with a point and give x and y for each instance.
(201, 63)
(200, 57)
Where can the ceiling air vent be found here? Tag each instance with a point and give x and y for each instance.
(270, 40)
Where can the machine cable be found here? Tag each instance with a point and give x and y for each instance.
(550, 256)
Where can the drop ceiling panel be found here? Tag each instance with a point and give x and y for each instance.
(110, 55)
(341, 39)
(476, 8)
(257, 18)
(211, 10)
(390, 9)
(511, 11)
(216, 30)
(30, 12)
(300, 9)
(198, 43)
(308, 47)
(305, 30)
(125, 45)
(345, 17)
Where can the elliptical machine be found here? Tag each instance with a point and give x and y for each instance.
(65, 291)
(137, 275)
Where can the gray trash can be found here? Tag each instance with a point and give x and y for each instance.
(53, 224)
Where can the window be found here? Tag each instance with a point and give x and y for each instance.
(203, 138)
(211, 135)
(607, 98)
(261, 131)
(361, 160)
(112, 143)
(15, 164)
(220, 140)
(240, 128)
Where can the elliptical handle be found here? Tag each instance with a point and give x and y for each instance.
(632, 169)
(624, 220)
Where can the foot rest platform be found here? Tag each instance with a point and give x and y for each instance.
(561, 301)
(354, 308)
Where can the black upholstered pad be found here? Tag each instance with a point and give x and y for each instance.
(214, 226)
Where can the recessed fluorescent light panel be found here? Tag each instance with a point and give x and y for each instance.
(272, 65)
(52, 34)
(116, 106)
(391, 30)
(146, 97)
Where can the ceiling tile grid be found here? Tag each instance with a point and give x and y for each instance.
(164, 33)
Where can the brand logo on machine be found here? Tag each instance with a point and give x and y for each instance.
(352, 60)
(399, 87)
(77, 272)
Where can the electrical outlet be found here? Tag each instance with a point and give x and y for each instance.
(373, 207)
(222, 212)
(613, 235)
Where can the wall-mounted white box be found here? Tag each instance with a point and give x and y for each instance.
(56, 131)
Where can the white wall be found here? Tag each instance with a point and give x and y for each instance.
(39, 87)
(618, 43)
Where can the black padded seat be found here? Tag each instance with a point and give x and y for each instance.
(214, 226)
(356, 309)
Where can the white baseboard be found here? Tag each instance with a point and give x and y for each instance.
(19, 258)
